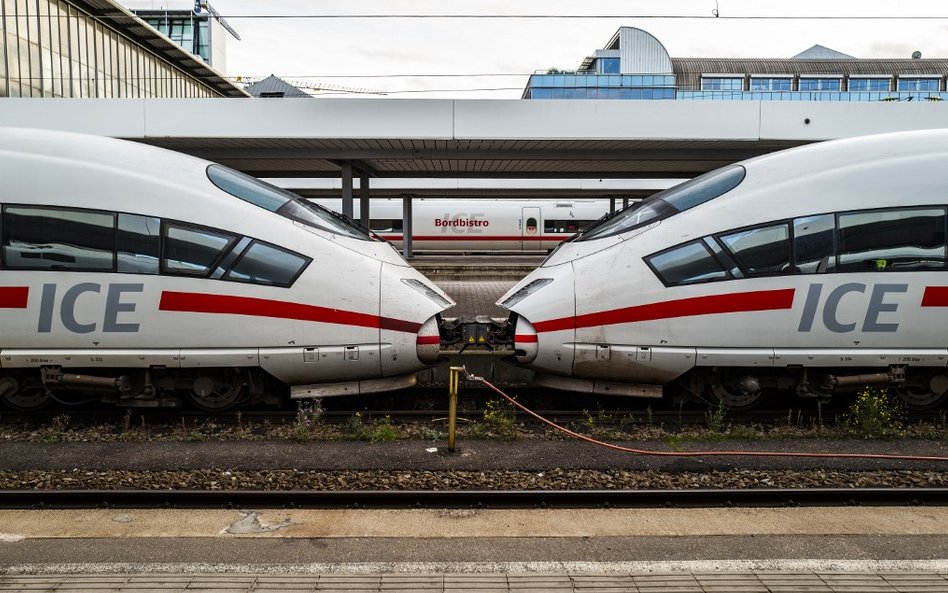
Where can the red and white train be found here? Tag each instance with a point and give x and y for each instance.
(139, 275)
(817, 269)
(477, 225)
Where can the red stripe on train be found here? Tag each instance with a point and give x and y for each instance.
(525, 339)
(193, 302)
(423, 340)
(738, 302)
(935, 296)
(14, 297)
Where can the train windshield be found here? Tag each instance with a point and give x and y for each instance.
(287, 204)
(666, 203)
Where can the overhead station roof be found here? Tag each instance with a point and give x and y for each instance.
(453, 139)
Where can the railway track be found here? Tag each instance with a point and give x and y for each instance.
(693, 498)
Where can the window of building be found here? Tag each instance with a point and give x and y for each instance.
(191, 250)
(36, 238)
(857, 83)
(608, 65)
(892, 240)
(722, 83)
(771, 83)
(821, 84)
(690, 263)
(267, 264)
(760, 251)
(138, 244)
(910, 83)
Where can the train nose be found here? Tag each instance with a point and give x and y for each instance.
(526, 345)
(428, 341)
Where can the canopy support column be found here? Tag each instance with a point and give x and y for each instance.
(347, 189)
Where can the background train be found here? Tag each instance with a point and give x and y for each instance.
(480, 224)
(140, 276)
(818, 269)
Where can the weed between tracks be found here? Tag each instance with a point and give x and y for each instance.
(874, 414)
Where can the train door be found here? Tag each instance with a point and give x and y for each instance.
(530, 229)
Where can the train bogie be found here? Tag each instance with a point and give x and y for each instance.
(137, 274)
(820, 270)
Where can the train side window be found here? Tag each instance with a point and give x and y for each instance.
(761, 250)
(138, 244)
(814, 244)
(899, 240)
(37, 238)
(687, 264)
(191, 250)
(565, 226)
(267, 264)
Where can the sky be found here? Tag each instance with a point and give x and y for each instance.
(390, 55)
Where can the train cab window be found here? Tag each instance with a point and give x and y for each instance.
(667, 203)
(37, 238)
(814, 244)
(762, 250)
(192, 251)
(892, 240)
(286, 204)
(687, 264)
(138, 244)
(267, 264)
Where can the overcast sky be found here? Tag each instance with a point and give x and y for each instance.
(316, 51)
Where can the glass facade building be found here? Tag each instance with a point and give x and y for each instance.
(57, 48)
(193, 34)
(635, 65)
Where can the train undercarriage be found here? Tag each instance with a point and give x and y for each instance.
(210, 390)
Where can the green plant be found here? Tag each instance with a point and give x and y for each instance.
(602, 425)
(874, 414)
(309, 414)
(716, 419)
(429, 433)
(57, 427)
(499, 419)
(382, 430)
(377, 431)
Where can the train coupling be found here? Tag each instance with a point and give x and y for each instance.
(479, 331)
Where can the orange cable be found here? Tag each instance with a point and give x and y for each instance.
(701, 453)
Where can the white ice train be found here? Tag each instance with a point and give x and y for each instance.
(817, 269)
(480, 224)
(139, 275)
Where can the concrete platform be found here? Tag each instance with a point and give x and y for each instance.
(659, 550)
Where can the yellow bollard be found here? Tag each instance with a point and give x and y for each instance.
(454, 380)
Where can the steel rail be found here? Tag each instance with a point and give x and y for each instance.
(406, 499)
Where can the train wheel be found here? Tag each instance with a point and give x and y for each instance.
(739, 396)
(925, 393)
(22, 399)
(215, 394)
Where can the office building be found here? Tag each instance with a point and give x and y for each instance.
(635, 65)
(97, 49)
